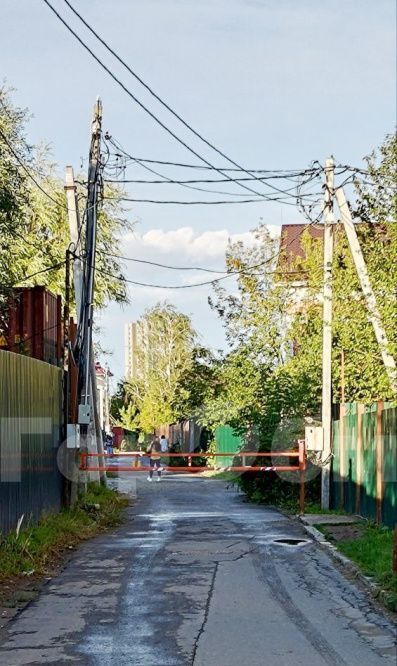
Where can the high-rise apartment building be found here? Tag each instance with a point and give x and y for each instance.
(130, 350)
(136, 349)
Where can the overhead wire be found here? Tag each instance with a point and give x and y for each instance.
(32, 275)
(246, 271)
(203, 167)
(28, 172)
(191, 203)
(180, 268)
(153, 116)
(159, 265)
(167, 179)
(23, 341)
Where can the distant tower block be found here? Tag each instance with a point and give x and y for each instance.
(130, 350)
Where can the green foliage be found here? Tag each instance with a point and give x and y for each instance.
(156, 394)
(256, 389)
(261, 382)
(377, 193)
(272, 377)
(373, 552)
(34, 548)
(365, 376)
(34, 228)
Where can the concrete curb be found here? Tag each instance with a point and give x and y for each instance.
(349, 565)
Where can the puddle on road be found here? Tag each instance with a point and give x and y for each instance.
(290, 542)
(281, 540)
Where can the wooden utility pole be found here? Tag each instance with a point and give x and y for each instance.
(362, 272)
(327, 332)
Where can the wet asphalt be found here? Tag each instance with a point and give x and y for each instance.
(196, 576)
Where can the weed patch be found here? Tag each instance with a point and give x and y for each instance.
(33, 549)
(372, 551)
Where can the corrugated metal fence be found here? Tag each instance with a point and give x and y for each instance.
(227, 442)
(364, 468)
(30, 434)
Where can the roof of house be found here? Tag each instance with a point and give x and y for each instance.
(99, 370)
(291, 247)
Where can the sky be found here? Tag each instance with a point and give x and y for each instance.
(275, 84)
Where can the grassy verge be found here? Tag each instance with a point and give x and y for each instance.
(34, 549)
(315, 508)
(372, 551)
(221, 476)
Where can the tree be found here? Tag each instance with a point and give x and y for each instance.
(374, 211)
(33, 218)
(249, 392)
(273, 371)
(122, 408)
(365, 377)
(155, 395)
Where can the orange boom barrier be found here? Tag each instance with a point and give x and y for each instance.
(299, 467)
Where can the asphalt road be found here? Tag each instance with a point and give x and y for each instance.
(198, 577)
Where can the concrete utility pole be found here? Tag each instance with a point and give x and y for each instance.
(362, 272)
(327, 332)
(90, 244)
(91, 436)
(71, 452)
(74, 227)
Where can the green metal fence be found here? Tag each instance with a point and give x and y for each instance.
(364, 467)
(30, 434)
(226, 441)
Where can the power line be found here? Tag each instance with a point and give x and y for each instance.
(31, 337)
(246, 271)
(16, 234)
(191, 203)
(182, 268)
(28, 172)
(166, 181)
(228, 169)
(159, 265)
(43, 270)
(189, 184)
(152, 115)
(32, 275)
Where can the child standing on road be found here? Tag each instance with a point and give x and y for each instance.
(154, 451)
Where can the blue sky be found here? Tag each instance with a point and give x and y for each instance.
(274, 83)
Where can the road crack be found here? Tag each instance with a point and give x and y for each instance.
(206, 612)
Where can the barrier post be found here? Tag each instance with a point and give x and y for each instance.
(302, 467)
(84, 462)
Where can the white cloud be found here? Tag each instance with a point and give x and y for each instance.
(177, 247)
(186, 244)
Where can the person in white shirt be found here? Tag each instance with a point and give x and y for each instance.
(163, 444)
